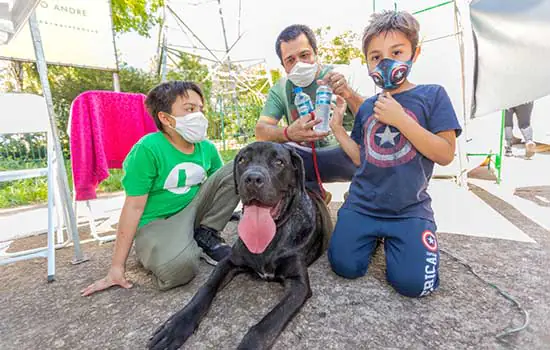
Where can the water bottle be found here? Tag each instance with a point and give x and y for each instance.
(323, 97)
(303, 102)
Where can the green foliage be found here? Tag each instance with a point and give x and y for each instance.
(23, 192)
(188, 67)
(113, 183)
(341, 49)
(35, 191)
(228, 155)
(136, 15)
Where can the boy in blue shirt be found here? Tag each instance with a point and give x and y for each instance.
(397, 137)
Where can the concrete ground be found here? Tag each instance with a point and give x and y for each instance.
(502, 232)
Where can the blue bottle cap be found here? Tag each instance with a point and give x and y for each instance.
(297, 90)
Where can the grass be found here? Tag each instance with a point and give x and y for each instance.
(35, 191)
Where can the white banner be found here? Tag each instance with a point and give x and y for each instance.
(74, 33)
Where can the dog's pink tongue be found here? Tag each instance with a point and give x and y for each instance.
(256, 228)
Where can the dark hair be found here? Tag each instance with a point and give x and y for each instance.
(291, 33)
(162, 97)
(391, 21)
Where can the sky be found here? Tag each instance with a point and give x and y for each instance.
(261, 22)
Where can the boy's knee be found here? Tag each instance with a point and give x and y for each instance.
(345, 265)
(414, 286)
(176, 272)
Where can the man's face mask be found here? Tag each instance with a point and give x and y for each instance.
(303, 74)
(192, 127)
(389, 74)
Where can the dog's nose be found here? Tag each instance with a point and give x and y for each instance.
(255, 179)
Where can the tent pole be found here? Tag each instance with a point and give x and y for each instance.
(498, 160)
(116, 77)
(462, 158)
(116, 82)
(63, 184)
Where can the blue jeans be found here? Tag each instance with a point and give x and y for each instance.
(334, 165)
(410, 245)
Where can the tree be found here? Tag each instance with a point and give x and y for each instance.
(136, 15)
(341, 49)
(188, 67)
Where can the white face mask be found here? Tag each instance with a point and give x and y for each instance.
(192, 127)
(303, 74)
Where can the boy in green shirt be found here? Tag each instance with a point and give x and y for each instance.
(178, 194)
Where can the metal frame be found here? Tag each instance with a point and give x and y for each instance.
(62, 182)
(235, 80)
(47, 252)
(495, 158)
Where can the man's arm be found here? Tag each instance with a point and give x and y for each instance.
(299, 131)
(267, 130)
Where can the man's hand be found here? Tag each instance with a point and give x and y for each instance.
(337, 83)
(302, 130)
(115, 277)
(338, 111)
(388, 110)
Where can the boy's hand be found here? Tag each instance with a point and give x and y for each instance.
(338, 112)
(388, 110)
(115, 277)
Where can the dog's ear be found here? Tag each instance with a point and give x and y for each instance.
(235, 177)
(299, 171)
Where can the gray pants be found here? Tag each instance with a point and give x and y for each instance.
(167, 248)
(523, 113)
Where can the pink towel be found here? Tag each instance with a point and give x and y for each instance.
(104, 125)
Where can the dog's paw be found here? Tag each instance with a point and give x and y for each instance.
(172, 334)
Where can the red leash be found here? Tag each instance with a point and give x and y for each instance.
(316, 165)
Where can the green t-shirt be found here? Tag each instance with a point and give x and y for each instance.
(171, 178)
(280, 102)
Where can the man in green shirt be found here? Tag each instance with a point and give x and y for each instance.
(297, 49)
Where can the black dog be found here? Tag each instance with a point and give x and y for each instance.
(283, 230)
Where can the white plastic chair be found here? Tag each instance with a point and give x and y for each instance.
(22, 113)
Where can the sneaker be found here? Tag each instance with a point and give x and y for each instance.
(530, 147)
(236, 216)
(214, 248)
(508, 151)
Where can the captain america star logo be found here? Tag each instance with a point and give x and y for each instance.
(385, 146)
(430, 241)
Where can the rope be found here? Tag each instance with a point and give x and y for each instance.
(505, 294)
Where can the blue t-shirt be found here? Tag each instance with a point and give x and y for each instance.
(393, 177)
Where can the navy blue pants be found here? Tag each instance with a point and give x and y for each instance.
(412, 254)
